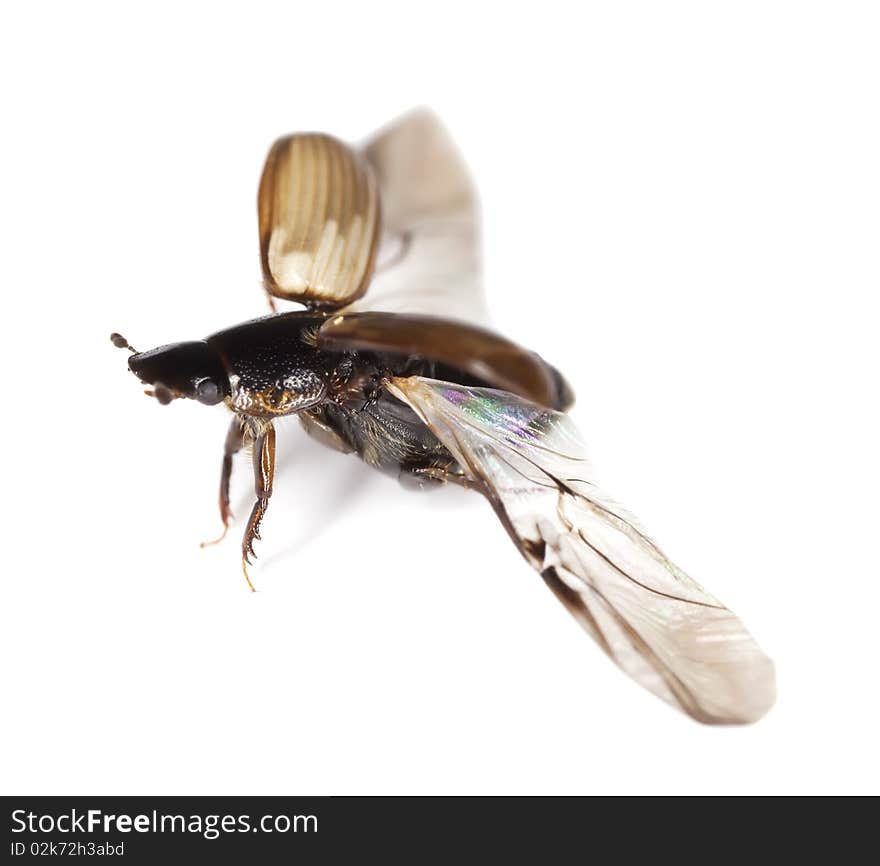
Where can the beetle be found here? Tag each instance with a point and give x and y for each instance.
(410, 378)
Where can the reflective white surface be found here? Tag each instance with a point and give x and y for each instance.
(680, 211)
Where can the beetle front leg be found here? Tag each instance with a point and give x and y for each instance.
(232, 445)
(264, 471)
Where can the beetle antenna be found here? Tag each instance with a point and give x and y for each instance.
(121, 343)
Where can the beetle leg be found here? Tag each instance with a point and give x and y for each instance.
(264, 470)
(419, 477)
(234, 441)
(318, 428)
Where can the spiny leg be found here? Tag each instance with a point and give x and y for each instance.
(415, 477)
(264, 470)
(234, 441)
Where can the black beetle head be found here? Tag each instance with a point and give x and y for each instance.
(191, 370)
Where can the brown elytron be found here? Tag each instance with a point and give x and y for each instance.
(319, 220)
(486, 356)
(410, 378)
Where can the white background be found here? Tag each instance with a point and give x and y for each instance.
(681, 204)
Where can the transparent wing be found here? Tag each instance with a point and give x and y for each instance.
(656, 623)
(429, 261)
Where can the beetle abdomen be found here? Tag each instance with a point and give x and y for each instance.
(319, 220)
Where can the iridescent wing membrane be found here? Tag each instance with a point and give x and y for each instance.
(657, 624)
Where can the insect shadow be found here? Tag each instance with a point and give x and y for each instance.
(321, 488)
(316, 489)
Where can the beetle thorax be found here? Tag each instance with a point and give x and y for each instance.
(297, 390)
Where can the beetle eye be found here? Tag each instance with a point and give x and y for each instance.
(208, 392)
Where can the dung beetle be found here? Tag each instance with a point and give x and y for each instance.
(410, 379)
